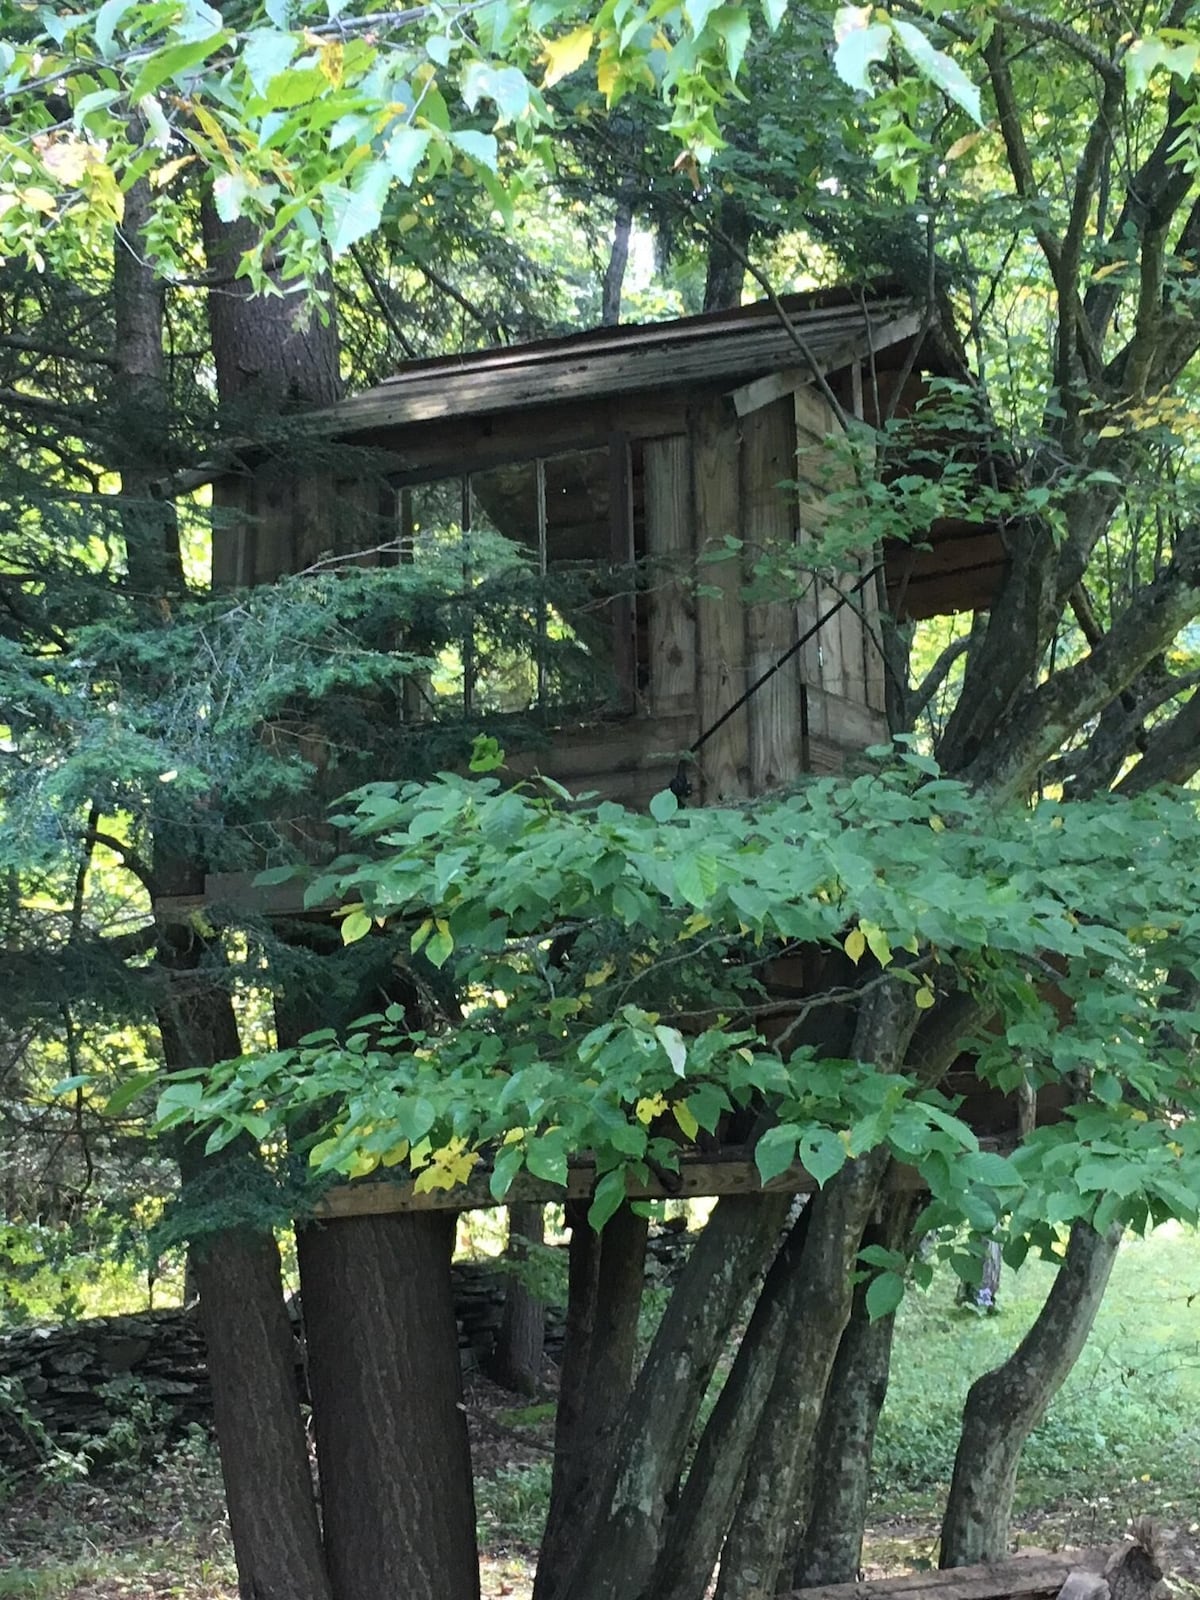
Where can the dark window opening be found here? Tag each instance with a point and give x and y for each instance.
(539, 556)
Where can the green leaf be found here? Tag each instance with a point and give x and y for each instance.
(696, 878)
(355, 926)
(109, 14)
(988, 1166)
(941, 69)
(663, 805)
(608, 1199)
(126, 1093)
(776, 1150)
(884, 1294)
(274, 875)
(509, 1161)
(821, 1153)
(506, 87)
(440, 946)
(354, 213)
(164, 65)
(698, 12)
(478, 147)
(676, 1051)
(546, 1158)
(69, 1085)
(266, 53)
(774, 11)
(858, 48)
(731, 24)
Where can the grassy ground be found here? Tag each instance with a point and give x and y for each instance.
(1123, 1438)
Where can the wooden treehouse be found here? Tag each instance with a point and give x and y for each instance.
(689, 453)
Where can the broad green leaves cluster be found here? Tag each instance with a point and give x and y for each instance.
(315, 118)
(612, 979)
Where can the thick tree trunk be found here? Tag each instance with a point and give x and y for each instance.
(835, 1513)
(753, 1558)
(754, 1551)
(1006, 1404)
(607, 1274)
(395, 1463)
(701, 1518)
(516, 1361)
(618, 1560)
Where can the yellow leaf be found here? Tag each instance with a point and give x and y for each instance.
(355, 925)
(649, 1107)
(607, 73)
(937, 824)
(161, 176)
(362, 1164)
(877, 941)
(967, 142)
(38, 200)
(688, 1125)
(330, 62)
(566, 55)
(394, 1156)
(1110, 433)
(513, 1136)
(599, 975)
(924, 998)
(1107, 271)
(855, 945)
(696, 923)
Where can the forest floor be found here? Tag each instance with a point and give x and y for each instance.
(1122, 1439)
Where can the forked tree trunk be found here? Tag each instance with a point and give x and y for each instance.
(619, 1556)
(753, 1558)
(607, 1275)
(516, 1360)
(832, 1511)
(395, 1463)
(1005, 1405)
(702, 1515)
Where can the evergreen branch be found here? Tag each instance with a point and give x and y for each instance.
(41, 347)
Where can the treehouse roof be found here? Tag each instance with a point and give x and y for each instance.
(835, 327)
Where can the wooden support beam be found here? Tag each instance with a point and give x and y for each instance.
(1032, 1577)
(697, 1179)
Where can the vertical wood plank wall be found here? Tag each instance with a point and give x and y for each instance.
(846, 660)
(670, 519)
(720, 616)
(768, 528)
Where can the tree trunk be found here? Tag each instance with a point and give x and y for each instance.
(700, 1521)
(726, 274)
(618, 260)
(516, 1361)
(607, 1274)
(1005, 1405)
(251, 1360)
(251, 1366)
(753, 1558)
(834, 1510)
(754, 1551)
(395, 1463)
(619, 1558)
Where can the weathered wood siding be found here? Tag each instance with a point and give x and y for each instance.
(721, 613)
(845, 658)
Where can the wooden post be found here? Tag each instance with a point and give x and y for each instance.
(669, 546)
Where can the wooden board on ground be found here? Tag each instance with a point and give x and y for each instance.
(1032, 1577)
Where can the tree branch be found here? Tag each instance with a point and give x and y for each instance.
(1052, 712)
